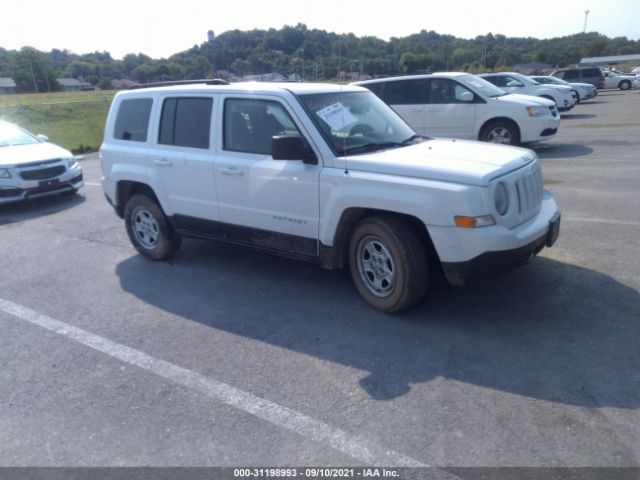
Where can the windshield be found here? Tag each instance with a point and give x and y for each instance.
(12, 135)
(357, 122)
(481, 86)
(528, 80)
(550, 80)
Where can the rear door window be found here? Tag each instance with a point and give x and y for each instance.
(186, 122)
(406, 92)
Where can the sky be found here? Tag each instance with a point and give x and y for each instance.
(159, 29)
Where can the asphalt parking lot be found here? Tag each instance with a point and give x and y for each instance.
(223, 357)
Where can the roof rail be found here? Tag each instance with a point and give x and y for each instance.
(209, 81)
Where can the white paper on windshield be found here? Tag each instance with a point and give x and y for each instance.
(337, 116)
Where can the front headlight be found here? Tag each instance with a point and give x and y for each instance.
(72, 163)
(501, 199)
(4, 173)
(537, 111)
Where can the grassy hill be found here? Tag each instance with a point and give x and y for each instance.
(73, 120)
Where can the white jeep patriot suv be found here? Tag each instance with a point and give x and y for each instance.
(323, 173)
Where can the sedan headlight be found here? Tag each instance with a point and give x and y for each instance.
(4, 173)
(72, 163)
(501, 199)
(537, 111)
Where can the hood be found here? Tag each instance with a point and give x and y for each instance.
(564, 88)
(448, 160)
(35, 152)
(582, 85)
(526, 100)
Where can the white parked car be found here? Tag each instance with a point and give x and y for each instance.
(517, 83)
(584, 91)
(461, 105)
(636, 71)
(323, 173)
(616, 79)
(31, 167)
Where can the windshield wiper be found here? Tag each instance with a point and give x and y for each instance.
(371, 147)
(413, 138)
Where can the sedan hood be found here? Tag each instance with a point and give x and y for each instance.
(447, 160)
(32, 153)
(526, 100)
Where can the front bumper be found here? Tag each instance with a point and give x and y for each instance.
(17, 191)
(492, 262)
(466, 253)
(536, 129)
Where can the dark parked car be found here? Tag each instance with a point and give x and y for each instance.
(592, 75)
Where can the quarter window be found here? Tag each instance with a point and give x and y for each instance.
(186, 122)
(132, 121)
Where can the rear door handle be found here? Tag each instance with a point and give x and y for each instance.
(163, 162)
(232, 171)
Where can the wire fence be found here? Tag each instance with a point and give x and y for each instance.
(69, 120)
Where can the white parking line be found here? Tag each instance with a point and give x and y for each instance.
(601, 220)
(320, 432)
(93, 184)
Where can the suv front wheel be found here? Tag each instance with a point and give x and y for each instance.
(624, 85)
(148, 228)
(502, 132)
(388, 263)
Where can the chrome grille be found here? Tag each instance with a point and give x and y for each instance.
(530, 191)
(42, 173)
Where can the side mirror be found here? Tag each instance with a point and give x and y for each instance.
(42, 138)
(466, 97)
(292, 147)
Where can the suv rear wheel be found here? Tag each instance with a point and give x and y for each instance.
(148, 228)
(388, 263)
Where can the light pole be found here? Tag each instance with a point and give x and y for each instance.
(584, 34)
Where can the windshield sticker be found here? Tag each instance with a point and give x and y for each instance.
(337, 116)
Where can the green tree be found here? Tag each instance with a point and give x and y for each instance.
(33, 73)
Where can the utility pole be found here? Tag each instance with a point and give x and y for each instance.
(586, 14)
(210, 38)
(33, 77)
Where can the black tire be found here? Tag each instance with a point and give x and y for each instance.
(387, 246)
(500, 131)
(624, 85)
(148, 228)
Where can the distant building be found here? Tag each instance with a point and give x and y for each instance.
(121, 83)
(74, 85)
(532, 68)
(7, 86)
(610, 60)
(352, 76)
(264, 77)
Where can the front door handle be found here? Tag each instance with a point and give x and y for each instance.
(163, 162)
(232, 171)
